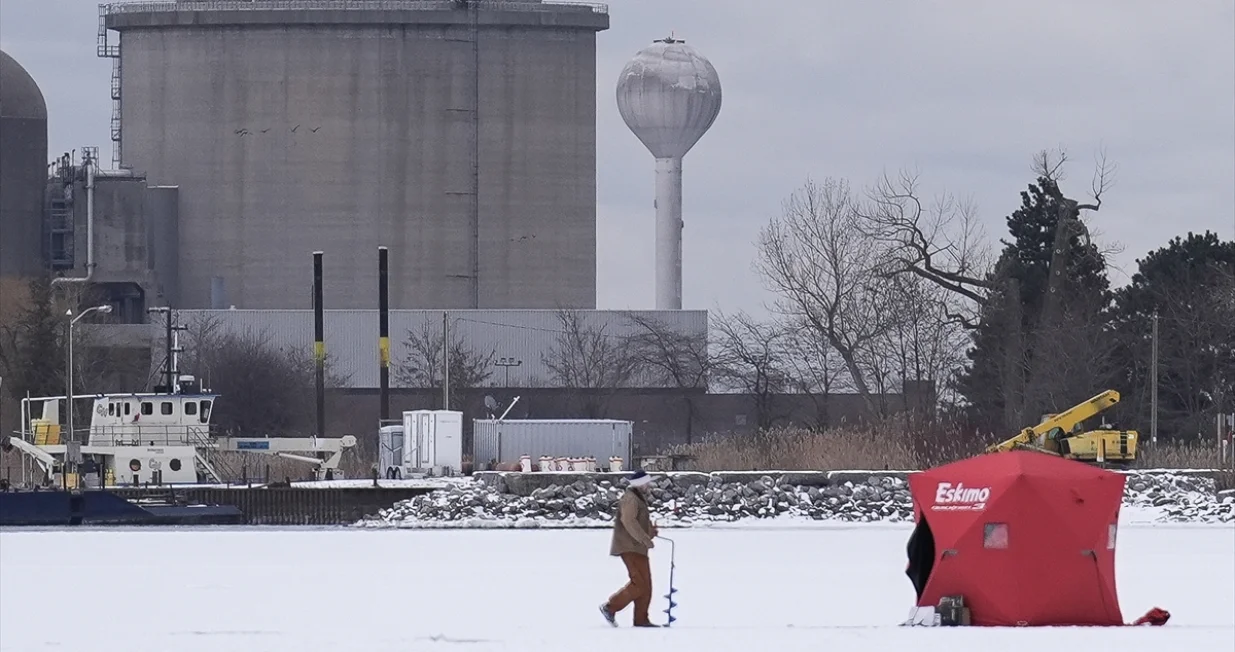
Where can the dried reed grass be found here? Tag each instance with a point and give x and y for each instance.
(887, 445)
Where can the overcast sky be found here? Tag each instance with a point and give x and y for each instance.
(965, 92)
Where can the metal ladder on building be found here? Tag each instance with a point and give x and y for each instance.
(107, 50)
(58, 223)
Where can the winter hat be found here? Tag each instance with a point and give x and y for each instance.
(640, 478)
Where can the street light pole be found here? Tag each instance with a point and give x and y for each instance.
(507, 363)
(68, 385)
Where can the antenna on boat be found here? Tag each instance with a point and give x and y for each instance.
(171, 365)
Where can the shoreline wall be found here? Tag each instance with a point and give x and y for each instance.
(683, 499)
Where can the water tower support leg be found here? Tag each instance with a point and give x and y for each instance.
(668, 234)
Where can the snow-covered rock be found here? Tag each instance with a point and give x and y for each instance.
(682, 500)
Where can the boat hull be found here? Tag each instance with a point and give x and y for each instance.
(99, 508)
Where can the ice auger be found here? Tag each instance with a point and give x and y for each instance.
(669, 595)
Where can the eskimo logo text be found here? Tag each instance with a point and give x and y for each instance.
(958, 497)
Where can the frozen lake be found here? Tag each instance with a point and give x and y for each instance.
(800, 588)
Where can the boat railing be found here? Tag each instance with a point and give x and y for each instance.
(200, 435)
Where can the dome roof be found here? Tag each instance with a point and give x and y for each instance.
(20, 97)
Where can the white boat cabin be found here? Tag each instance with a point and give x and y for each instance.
(150, 419)
(135, 419)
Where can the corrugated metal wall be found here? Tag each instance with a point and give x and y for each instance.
(351, 336)
(506, 441)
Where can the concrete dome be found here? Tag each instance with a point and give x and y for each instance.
(23, 171)
(20, 97)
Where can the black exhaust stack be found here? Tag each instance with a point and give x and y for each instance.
(319, 343)
(383, 330)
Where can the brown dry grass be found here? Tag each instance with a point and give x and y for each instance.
(888, 445)
(885, 445)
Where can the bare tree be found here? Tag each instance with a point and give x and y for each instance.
(265, 389)
(926, 343)
(672, 358)
(814, 369)
(590, 363)
(941, 240)
(826, 273)
(422, 361)
(750, 357)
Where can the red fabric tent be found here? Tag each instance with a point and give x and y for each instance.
(1027, 538)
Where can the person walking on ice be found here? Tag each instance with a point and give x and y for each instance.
(633, 533)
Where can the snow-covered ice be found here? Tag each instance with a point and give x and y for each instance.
(836, 587)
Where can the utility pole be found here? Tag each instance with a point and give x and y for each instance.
(1153, 391)
(445, 361)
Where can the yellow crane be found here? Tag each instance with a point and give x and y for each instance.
(1061, 434)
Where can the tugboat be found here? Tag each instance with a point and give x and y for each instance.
(135, 440)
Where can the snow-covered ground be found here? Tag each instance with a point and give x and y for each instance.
(831, 587)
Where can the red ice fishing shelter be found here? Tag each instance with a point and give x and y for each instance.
(1026, 538)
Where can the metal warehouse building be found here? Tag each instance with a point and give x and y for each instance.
(461, 134)
(525, 336)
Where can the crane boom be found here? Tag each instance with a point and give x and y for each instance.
(1046, 435)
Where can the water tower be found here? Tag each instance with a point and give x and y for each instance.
(669, 95)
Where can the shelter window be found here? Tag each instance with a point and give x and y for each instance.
(111, 409)
(995, 536)
(128, 408)
(205, 413)
(147, 408)
(190, 408)
(166, 407)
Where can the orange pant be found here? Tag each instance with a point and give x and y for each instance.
(638, 590)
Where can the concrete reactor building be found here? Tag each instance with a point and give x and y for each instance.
(461, 134)
(23, 175)
(669, 96)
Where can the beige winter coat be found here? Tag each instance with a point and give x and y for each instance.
(632, 526)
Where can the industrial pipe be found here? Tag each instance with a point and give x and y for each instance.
(89, 165)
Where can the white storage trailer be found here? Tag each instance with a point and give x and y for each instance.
(429, 441)
(390, 450)
(433, 441)
(506, 441)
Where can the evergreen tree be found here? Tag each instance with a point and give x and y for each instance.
(1183, 283)
(33, 350)
(1040, 345)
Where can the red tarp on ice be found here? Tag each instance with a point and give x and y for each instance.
(1027, 538)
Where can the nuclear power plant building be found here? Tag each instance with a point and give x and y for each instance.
(247, 135)
(461, 135)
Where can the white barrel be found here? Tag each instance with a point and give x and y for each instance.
(525, 463)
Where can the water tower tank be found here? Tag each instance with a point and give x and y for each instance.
(669, 95)
(23, 172)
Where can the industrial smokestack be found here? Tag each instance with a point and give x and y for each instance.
(383, 330)
(669, 95)
(319, 343)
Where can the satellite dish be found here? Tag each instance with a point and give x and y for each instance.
(490, 403)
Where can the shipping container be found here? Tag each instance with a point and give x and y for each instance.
(505, 441)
